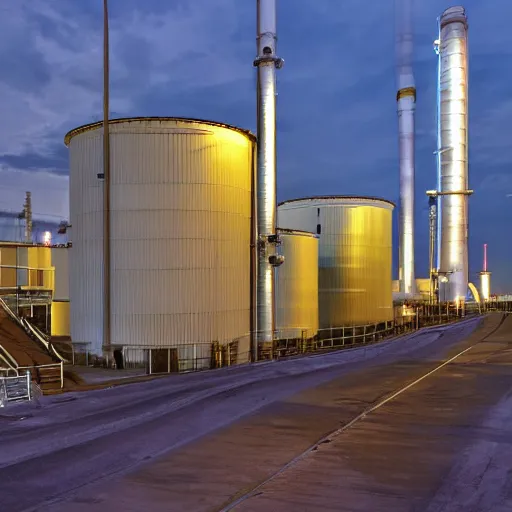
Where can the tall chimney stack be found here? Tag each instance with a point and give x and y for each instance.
(452, 154)
(266, 62)
(406, 103)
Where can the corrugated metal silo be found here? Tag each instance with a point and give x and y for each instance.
(180, 232)
(355, 255)
(297, 285)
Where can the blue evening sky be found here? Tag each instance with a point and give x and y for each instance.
(193, 58)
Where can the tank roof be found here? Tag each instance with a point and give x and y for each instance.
(340, 200)
(99, 124)
(286, 231)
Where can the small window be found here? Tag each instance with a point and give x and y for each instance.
(318, 212)
(318, 229)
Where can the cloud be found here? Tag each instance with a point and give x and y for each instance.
(337, 118)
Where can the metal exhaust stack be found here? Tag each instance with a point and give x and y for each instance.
(267, 62)
(406, 103)
(452, 155)
(27, 213)
(485, 279)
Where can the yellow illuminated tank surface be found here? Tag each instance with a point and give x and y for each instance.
(355, 256)
(297, 285)
(60, 319)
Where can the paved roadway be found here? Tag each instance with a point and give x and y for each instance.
(234, 439)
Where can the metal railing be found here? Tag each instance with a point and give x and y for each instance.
(158, 359)
(190, 357)
(42, 338)
(15, 389)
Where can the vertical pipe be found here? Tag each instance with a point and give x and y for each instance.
(106, 185)
(406, 104)
(266, 62)
(17, 288)
(432, 248)
(253, 356)
(29, 382)
(27, 211)
(453, 151)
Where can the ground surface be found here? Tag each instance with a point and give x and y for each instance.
(201, 442)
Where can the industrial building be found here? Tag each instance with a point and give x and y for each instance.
(180, 236)
(176, 258)
(355, 256)
(34, 283)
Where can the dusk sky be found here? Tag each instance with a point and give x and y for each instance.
(337, 123)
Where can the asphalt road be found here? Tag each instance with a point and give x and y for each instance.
(222, 440)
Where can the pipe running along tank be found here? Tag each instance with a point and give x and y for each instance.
(266, 62)
(406, 104)
(452, 152)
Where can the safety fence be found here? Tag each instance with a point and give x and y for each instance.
(15, 388)
(181, 358)
(494, 305)
(191, 357)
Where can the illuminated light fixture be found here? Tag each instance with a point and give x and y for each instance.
(47, 238)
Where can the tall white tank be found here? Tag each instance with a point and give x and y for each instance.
(297, 285)
(354, 256)
(181, 206)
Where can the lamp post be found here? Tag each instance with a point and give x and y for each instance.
(106, 185)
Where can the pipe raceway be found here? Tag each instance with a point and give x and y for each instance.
(421, 422)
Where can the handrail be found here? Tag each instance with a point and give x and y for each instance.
(28, 327)
(8, 366)
(13, 364)
(45, 340)
(26, 392)
(9, 311)
(52, 365)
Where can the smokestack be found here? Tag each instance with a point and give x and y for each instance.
(27, 212)
(406, 103)
(267, 62)
(452, 152)
(485, 279)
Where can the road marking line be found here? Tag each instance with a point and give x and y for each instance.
(329, 437)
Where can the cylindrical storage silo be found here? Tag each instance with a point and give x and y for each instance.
(355, 256)
(297, 285)
(180, 226)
